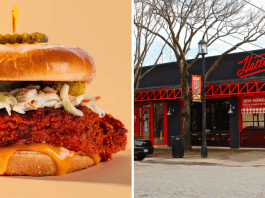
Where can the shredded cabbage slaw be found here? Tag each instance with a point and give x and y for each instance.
(32, 97)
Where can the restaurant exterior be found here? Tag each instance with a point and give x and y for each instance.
(235, 103)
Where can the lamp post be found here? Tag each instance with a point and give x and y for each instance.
(202, 51)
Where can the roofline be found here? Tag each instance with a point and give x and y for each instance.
(206, 57)
(207, 83)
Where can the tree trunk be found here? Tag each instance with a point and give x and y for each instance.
(136, 89)
(186, 110)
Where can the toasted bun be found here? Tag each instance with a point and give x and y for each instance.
(45, 62)
(39, 164)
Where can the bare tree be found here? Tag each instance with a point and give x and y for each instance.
(168, 54)
(144, 40)
(184, 21)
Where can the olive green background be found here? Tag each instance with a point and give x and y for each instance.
(103, 29)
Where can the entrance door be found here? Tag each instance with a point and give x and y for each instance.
(147, 123)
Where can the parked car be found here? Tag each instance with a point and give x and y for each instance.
(142, 147)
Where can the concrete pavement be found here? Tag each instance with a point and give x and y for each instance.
(241, 157)
(226, 173)
(154, 180)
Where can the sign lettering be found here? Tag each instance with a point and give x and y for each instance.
(251, 65)
(253, 105)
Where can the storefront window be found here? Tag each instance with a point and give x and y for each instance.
(196, 116)
(217, 117)
(149, 122)
(253, 121)
(158, 123)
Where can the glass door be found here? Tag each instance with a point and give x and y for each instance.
(158, 126)
(147, 123)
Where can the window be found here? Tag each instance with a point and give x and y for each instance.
(217, 117)
(253, 121)
(196, 116)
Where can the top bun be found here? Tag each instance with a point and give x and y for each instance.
(45, 62)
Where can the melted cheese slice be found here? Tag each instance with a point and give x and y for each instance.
(61, 156)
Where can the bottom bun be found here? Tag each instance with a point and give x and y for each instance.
(39, 164)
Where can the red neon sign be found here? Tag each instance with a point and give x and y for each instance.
(251, 65)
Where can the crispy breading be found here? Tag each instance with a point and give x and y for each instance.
(89, 133)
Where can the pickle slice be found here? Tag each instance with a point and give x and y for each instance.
(35, 37)
(75, 88)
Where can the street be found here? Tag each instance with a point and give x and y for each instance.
(156, 180)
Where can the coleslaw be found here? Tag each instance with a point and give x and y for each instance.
(32, 97)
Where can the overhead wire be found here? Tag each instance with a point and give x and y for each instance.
(240, 38)
(254, 5)
(238, 47)
(240, 33)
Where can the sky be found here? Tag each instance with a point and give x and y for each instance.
(216, 49)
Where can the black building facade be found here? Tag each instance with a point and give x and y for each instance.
(235, 102)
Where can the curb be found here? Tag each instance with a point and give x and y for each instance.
(207, 162)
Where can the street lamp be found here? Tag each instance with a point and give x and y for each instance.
(202, 51)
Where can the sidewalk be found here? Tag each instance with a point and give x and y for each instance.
(241, 157)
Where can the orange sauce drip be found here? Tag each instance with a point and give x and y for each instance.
(61, 156)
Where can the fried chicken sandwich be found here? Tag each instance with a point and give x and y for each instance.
(48, 123)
